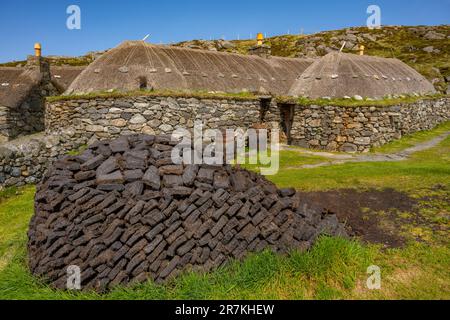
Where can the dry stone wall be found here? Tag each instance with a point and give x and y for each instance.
(108, 118)
(25, 119)
(123, 212)
(24, 161)
(332, 128)
(70, 124)
(357, 129)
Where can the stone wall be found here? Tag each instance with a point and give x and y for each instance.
(357, 129)
(23, 120)
(332, 128)
(24, 161)
(73, 123)
(109, 117)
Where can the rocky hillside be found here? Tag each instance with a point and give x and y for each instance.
(424, 48)
(62, 60)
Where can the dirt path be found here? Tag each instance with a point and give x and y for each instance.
(335, 159)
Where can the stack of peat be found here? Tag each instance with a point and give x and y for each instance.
(124, 213)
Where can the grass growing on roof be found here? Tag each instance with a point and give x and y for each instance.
(386, 102)
(156, 93)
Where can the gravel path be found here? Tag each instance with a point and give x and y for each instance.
(335, 159)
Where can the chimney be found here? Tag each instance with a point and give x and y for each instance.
(37, 61)
(259, 39)
(361, 50)
(262, 50)
(37, 49)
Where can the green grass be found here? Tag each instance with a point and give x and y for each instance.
(16, 207)
(429, 167)
(334, 268)
(287, 158)
(261, 276)
(77, 151)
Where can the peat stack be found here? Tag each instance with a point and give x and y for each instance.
(123, 212)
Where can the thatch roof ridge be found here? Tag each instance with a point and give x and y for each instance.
(177, 68)
(338, 74)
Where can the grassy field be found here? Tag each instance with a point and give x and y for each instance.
(333, 269)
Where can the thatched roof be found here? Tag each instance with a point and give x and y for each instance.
(164, 67)
(63, 76)
(16, 83)
(337, 75)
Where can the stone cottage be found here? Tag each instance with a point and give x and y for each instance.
(23, 91)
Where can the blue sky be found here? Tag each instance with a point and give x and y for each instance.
(106, 23)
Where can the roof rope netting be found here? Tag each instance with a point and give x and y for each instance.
(177, 68)
(339, 75)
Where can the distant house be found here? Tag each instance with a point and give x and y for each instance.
(63, 76)
(23, 91)
(339, 75)
(138, 65)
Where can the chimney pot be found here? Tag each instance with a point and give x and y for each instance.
(361, 50)
(37, 49)
(260, 39)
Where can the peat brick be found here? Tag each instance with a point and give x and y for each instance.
(221, 180)
(123, 212)
(108, 166)
(171, 181)
(119, 145)
(111, 178)
(133, 175)
(151, 178)
(93, 163)
(205, 175)
(170, 267)
(189, 175)
(171, 170)
(219, 226)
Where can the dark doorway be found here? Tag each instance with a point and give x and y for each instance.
(287, 119)
(142, 83)
(265, 106)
